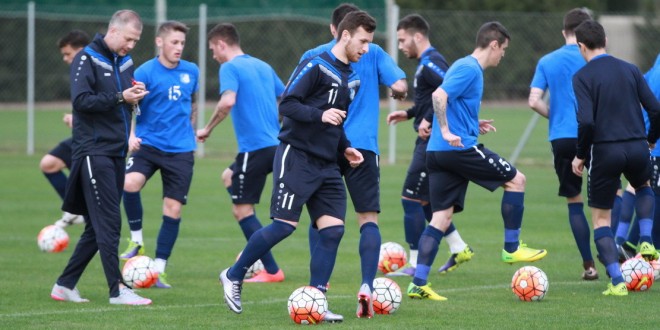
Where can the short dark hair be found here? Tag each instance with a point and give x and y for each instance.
(591, 34)
(492, 31)
(355, 20)
(574, 17)
(75, 39)
(170, 26)
(340, 12)
(227, 32)
(414, 23)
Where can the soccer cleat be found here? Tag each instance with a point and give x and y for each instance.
(232, 292)
(129, 297)
(69, 219)
(133, 249)
(331, 317)
(265, 277)
(423, 292)
(648, 251)
(590, 274)
(523, 254)
(456, 259)
(406, 271)
(365, 307)
(161, 283)
(616, 290)
(61, 293)
(626, 251)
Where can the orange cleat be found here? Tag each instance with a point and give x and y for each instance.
(264, 277)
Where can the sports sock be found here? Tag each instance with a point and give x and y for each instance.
(249, 225)
(454, 240)
(58, 181)
(428, 249)
(616, 214)
(625, 216)
(512, 214)
(369, 252)
(412, 257)
(413, 222)
(606, 248)
(324, 256)
(656, 228)
(160, 264)
(644, 208)
(167, 235)
(259, 243)
(313, 234)
(133, 208)
(580, 229)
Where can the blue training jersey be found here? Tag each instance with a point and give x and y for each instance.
(464, 84)
(374, 68)
(165, 122)
(254, 115)
(555, 72)
(653, 79)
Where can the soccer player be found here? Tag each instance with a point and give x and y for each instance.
(413, 36)
(374, 68)
(249, 89)
(653, 79)
(163, 139)
(611, 131)
(103, 97)
(554, 72)
(306, 172)
(53, 163)
(455, 158)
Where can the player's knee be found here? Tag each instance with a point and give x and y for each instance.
(133, 182)
(242, 211)
(332, 233)
(226, 177)
(172, 208)
(517, 183)
(50, 164)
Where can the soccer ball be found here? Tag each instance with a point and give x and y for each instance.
(307, 305)
(140, 272)
(656, 269)
(529, 283)
(52, 239)
(638, 274)
(392, 257)
(386, 296)
(256, 267)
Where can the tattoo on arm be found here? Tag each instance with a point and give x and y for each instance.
(440, 109)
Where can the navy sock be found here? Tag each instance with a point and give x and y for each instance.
(314, 237)
(413, 222)
(259, 243)
(606, 248)
(249, 225)
(513, 205)
(656, 229)
(324, 256)
(450, 229)
(625, 216)
(58, 181)
(133, 208)
(428, 212)
(644, 208)
(369, 252)
(581, 230)
(167, 235)
(633, 233)
(616, 215)
(428, 249)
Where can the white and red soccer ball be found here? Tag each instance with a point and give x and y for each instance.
(392, 257)
(52, 239)
(140, 272)
(255, 269)
(529, 283)
(638, 274)
(307, 305)
(386, 296)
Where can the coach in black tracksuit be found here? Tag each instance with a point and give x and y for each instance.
(103, 96)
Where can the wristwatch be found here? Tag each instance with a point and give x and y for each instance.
(120, 98)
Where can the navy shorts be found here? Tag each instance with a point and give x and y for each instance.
(363, 182)
(301, 179)
(63, 151)
(416, 185)
(655, 176)
(451, 171)
(176, 169)
(564, 150)
(608, 162)
(250, 172)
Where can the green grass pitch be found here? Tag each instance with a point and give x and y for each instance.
(478, 292)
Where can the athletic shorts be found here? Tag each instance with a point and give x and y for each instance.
(416, 185)
(176, 169)
(363, 182)
(564, 150)
(302, 179)
(63, 151)
(451, 171)
(655, 176)
(608, 162)
(249, 177)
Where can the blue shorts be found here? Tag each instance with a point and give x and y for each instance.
(301, 179)
(564, 150)
(416, 185)
(608, 162)
(249, 174)
(63, 151)
(363, 182)
(451, 171)
(176, 169)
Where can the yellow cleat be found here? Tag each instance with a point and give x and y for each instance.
(423, 292)
(616, 290)
(648, 251)
(523, 253)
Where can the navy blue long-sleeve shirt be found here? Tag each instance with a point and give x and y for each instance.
(429, 76)
(318, 84)
(608, 92)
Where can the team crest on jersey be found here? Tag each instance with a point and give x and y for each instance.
(185, 78)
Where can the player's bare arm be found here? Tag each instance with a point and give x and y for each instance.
(222, 109)
(439, 97)
(193, 110)
(399, 89)
(536, 102)
(333, 116)
(485, 126)
(396, 117)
